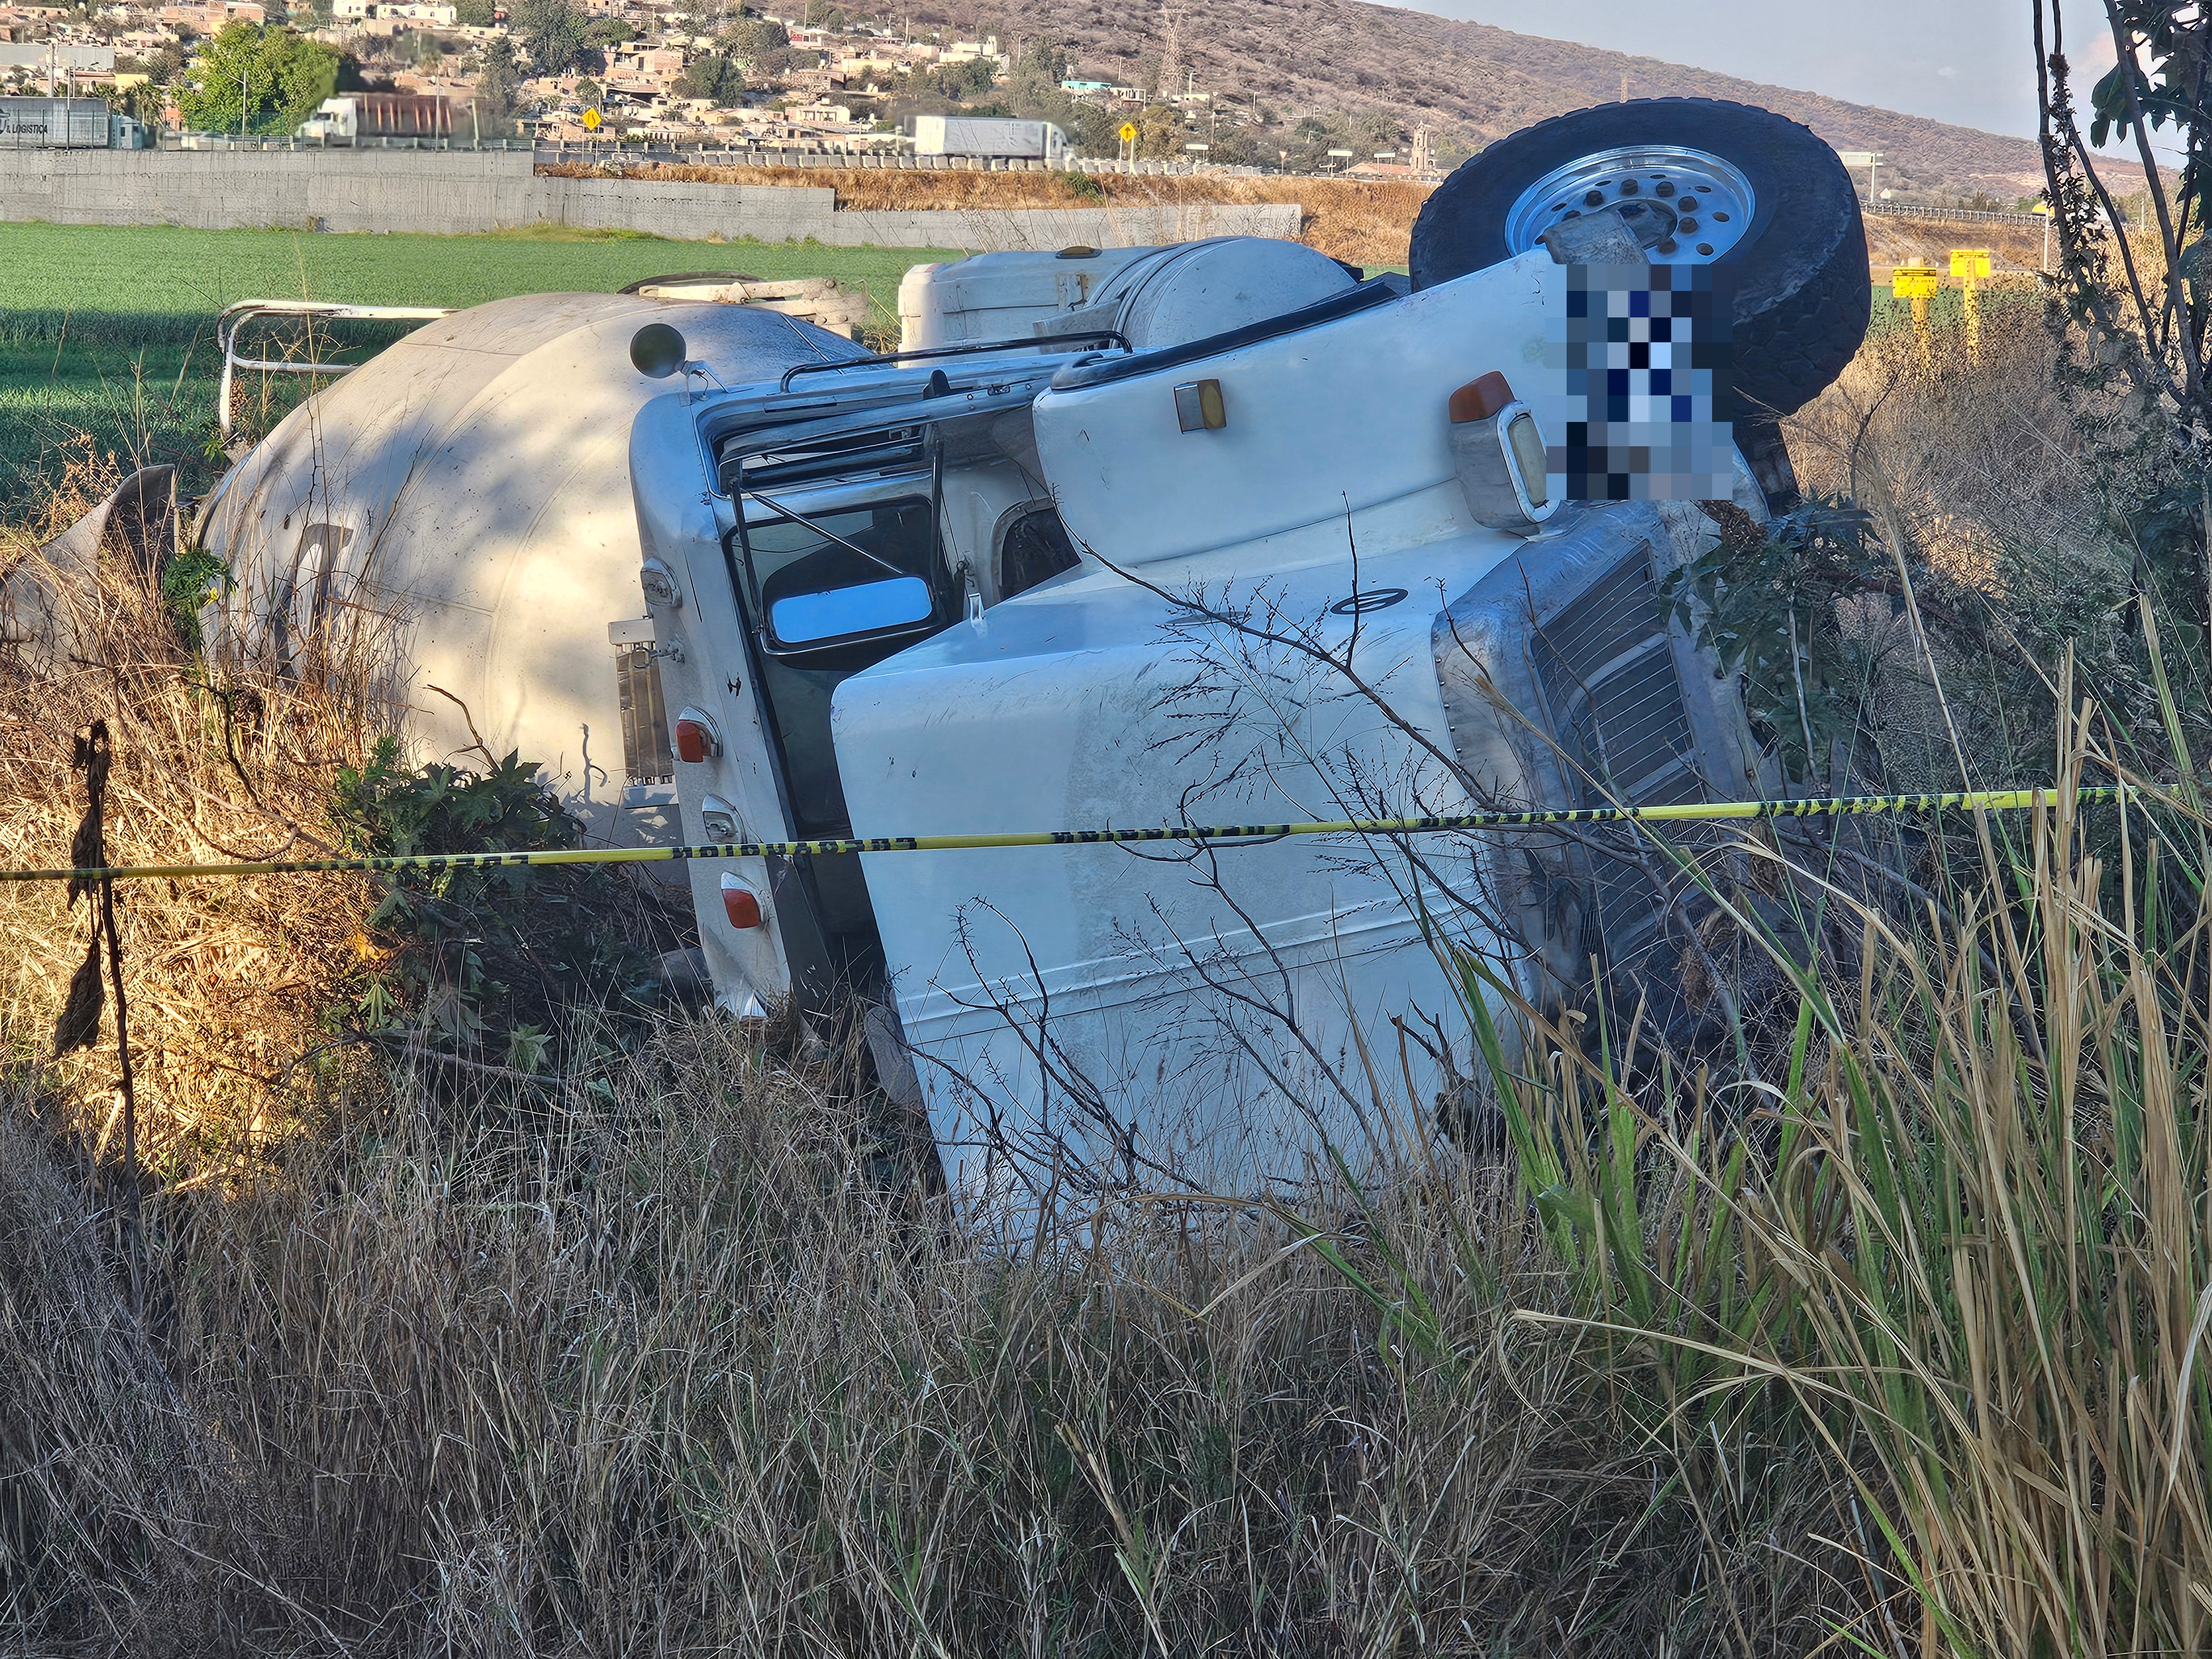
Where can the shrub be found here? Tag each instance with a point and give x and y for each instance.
(472, 955)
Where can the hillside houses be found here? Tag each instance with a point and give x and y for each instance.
(662, 69)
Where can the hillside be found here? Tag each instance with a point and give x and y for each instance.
(1473, 83)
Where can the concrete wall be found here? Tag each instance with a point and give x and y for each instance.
(456, 193)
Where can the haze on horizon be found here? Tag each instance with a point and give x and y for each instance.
(1971, 62)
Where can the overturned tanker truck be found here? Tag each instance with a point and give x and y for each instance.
(1202, 534)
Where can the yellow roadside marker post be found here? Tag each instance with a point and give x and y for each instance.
(1916, 283)
(1968, 265)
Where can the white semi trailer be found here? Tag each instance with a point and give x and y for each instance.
(1223, 535)
(990, 137)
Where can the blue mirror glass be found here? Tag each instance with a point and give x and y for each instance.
(837, 612)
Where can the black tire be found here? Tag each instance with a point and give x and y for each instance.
(1802, 294)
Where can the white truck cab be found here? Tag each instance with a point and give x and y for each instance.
(1234, 579)
(1210, 534)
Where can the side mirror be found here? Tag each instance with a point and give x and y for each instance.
(656, 350)
(842, 613)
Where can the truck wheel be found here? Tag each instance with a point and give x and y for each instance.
(1701, 183)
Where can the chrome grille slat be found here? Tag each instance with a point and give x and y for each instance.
(1606, 667)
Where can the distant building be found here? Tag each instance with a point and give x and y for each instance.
(40, 56)
(410, 11)
(209, 16)
(354, 116)
(649, 64)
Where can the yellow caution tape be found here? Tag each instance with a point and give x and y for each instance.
(1688, 812)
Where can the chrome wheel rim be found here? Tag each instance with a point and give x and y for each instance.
(1686, 207)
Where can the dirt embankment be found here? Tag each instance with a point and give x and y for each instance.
(1929, 242)
(1366, 223)
(1346, 219)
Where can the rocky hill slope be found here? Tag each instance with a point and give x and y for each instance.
(1473, 83)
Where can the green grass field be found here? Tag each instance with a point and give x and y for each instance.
(109, 330)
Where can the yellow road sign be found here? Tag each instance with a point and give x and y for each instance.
(1913, 282)
(1128, 132)
(1970, 261)
(590, 120)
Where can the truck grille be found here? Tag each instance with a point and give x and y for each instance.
(1606, 666)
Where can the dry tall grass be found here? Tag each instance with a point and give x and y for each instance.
(1968, 1237)
(653, 1369)
(229, 985)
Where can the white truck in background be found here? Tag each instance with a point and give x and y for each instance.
(990, 137)
(1164, 536)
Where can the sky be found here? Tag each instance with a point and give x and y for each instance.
(1971, 62)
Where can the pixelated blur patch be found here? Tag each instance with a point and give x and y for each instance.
(1639, 393)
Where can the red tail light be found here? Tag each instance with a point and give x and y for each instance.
(740, 903)
(696, 739)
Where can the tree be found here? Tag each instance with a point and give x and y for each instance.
(166, 66)
(712, 76)
(259, 79)
(475, 14)
(2142, 299)
(589, 92)
(1097, 131)
(552, 32)
(498, 88)
(141, 100)
(701, 16)
(1033, 83)
(1161, 133)
(751, 38)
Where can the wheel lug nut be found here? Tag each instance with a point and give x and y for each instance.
(1596, 199)
(1689, 224)
(1705, 247)
(1665, 187)
(1670, 245)
(1630, 187)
